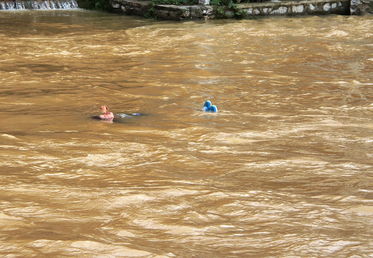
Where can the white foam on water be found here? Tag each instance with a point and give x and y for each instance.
(362, 210)
(171, 229)
(226, 226)
(103, 160)
(9, 136)
(337, 33)
(86, 248)
(125, 233)
(134, 199)
(178, 192)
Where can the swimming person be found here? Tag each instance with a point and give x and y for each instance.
(106, 114)
(206, 106)
(209, 107)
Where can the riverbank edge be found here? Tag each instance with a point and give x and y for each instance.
(247, 10)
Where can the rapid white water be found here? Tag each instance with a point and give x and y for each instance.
(38, 5)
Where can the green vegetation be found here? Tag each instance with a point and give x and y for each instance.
(230, 3)
(227, 3)
(175, 2)
(228, 8)
(95, 4)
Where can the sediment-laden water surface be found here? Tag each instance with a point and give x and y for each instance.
(285, 168)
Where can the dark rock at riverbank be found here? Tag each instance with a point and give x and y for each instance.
(361, 7)
(247, 10)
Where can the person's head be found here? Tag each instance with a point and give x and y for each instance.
(207, 104)
(104, 109)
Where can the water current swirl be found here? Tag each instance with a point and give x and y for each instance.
(283, 170)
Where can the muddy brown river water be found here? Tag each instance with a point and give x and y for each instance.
(283, 170)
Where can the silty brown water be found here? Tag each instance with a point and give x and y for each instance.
(285, 169)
